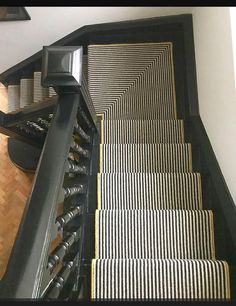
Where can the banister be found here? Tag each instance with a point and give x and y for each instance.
(28, 263)
(29, 252)
(37, 109)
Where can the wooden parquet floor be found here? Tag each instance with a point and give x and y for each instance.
(15, 186)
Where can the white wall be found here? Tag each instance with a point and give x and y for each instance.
(233, 31)
(216, 85)
(21, 39)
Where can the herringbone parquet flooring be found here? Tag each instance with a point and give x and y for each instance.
(15, 186)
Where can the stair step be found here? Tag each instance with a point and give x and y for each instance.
(145, 158)
(159, 279)
(157, 234)
(142, 131)
(13, 97)
(149, 191)
(26, 92)
(40, 93)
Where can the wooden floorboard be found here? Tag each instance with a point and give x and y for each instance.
(15, 186)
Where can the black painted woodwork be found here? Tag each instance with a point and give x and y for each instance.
(10, 121)
(23, 155)
(62, 68)
(28, 274)
(23, 277)
(216, 195)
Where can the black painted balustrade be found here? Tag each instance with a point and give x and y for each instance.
(65, 129)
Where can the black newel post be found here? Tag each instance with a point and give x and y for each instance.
(62, 68)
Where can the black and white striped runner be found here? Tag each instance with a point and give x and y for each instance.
(157, 234)
(166, 279)
(149, 191)
(153, 240)
(145, 158)
(126, 80)
(142, 131)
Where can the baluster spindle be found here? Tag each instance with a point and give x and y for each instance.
(59, 281)
(78, 149)
(74, 168)
(82, 114)
(62, 249)
(36, 127)
(69, 191)
(82, 133)
(29, 132)
(43, 123)
(62, 220)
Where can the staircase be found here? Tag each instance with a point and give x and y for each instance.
(153, 238)
(128, 201)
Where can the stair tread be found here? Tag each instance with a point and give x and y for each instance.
(162, 157)
(149, 191)
(160, 279)
(173, 234)
(142, 131)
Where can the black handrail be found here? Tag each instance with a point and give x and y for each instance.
(34, 110)
(11, 123)
(28, 264)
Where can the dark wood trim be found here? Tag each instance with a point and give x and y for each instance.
(208, 165)
(29, 112)
(23, 155)
(190, 67)
(9, 121)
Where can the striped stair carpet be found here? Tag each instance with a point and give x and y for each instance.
(145, 158)
(159, 234)
(153, 239)
(163, 279)
(149, 191)
(142, 131)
